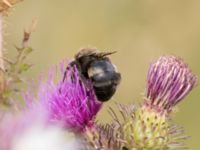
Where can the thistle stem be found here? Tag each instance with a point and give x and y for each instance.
(1, 42)
(2, 67)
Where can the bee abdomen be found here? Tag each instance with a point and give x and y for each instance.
(104, 79)
(104, 93)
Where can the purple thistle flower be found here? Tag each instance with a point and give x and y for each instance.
(71, 101)
(169, 80)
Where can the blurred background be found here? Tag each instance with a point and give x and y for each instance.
(140, 30)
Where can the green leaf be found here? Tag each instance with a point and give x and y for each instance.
(27, 50)
(23, 67)
(7, 93)
(16, 79)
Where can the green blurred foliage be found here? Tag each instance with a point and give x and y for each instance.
(140, 30)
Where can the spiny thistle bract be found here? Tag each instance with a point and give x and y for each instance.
(148, 126)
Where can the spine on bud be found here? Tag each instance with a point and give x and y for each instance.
(151, 130)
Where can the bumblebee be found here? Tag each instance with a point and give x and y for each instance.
(98, 68)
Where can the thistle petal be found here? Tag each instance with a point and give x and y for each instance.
(169, 80)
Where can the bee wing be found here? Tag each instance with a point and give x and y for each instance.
(92, 52)
(86, 52)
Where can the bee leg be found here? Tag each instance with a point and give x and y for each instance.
(72, 64)
(73, 77)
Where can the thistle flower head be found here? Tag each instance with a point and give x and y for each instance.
(68, 101)
(169, 80)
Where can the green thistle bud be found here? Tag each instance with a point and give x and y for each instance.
(169, 80)
(147, 129)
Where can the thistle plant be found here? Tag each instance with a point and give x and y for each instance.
(73, 106)
(65, 104)
(15, 68)
(11, 70)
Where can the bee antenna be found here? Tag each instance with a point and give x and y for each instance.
(107, 53)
